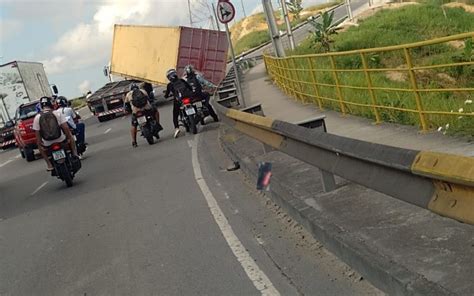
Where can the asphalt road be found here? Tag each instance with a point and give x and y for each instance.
(165, 219)
(302, 32)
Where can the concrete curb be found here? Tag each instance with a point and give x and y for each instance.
(380, 270)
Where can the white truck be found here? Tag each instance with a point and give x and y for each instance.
(20, 83)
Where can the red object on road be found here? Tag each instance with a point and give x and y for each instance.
(25, 136)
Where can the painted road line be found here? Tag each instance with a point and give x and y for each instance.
(6, 162)
(108, 130)
(254, 273)
(39, 188)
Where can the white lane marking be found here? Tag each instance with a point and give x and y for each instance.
(190, 144)
(108, 130)
(6, 162)
(254, 273)
(18, 156)
(39, 188)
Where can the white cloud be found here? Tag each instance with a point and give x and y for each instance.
(8, 28)
(85, 86)
(89, 43)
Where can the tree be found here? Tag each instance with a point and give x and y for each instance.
(325, 29)
(295, 7)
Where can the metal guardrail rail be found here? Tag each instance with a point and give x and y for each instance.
(418, 90)
(442, 183)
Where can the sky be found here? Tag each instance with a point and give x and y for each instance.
(73, 38)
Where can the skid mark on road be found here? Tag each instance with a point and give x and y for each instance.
(254, 273)
(39, 188)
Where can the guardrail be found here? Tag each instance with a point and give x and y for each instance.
(442, 183)
(428, 83)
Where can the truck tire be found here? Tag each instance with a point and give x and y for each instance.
(29, 154)
(192, 124)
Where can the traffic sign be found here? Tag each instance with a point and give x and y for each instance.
(225, 11)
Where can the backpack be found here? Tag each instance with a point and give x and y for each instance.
(182, 89)
(139, 99)
(49, 126)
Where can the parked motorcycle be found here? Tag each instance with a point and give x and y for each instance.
(149, 128)
(191, 113)
(64, 163)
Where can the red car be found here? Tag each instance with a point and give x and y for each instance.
(24, 134)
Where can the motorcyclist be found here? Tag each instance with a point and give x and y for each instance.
(130, 108)
(72, 119)
(47, 106)
(197, 81)
(180, 89)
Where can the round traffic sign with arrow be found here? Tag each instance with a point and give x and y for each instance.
(225, 11)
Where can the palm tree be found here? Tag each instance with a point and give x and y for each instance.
(295, 7)
(324, 29)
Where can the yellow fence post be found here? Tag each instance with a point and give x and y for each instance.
(414, 86)
(338, 88)
(315, 85)
(295, 79)
(370, 88)
(281, 76)
(290, 78)
(299, 79)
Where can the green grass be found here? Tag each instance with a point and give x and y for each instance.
(251, 40)
(400, 26)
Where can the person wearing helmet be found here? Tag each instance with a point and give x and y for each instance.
(180, 89)
(72, 119)
(131, 107)
(197, 82)
(47, 107)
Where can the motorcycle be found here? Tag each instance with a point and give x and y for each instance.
(149, 128)
(64, 163)
(191, 113)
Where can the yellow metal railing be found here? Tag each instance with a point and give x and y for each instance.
(428, 83)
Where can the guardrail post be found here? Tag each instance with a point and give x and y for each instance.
(315, 85)
(329, 182)
(414, 86)
(301, 85)
(338, 88)
(370, 88)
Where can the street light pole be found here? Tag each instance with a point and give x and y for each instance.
(272, 26)
(288, 24)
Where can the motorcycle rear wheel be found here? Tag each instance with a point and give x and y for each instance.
(192, 124)
(65, 174)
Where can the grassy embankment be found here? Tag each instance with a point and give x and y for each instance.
(251, 32)
(407, 24)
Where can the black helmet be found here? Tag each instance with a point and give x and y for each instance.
(171, 74)
(46, 102)
(133, 86)
(62, 101)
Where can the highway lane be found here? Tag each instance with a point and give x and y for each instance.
(141, 222)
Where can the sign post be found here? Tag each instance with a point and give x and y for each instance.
(226, 13)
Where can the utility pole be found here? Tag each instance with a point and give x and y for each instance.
(190, 15)
(215, 17)
(288, 24)
(349, 9)
(243, 7)
(272, 26)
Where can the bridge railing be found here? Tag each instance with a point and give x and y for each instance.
(429, 83)
(442, 183)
